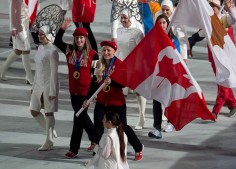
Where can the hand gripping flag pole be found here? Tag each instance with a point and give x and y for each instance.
(91, 98)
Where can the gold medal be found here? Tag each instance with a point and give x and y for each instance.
(76, 75)
(106, 89)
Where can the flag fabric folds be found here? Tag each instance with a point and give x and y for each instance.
(32, 6)
(198, 13)
(155, 69)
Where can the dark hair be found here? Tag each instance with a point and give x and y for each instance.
(170, 33)
(114, 118)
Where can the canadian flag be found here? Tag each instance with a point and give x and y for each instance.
(32, 7)
(155, 69)
(198, 13)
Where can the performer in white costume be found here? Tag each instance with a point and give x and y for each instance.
(19, 26)
(111, 152)
(46, 86)
(117, 7)
(128, 37)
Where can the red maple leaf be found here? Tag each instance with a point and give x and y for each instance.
(173, 72)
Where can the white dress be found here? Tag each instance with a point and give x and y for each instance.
(46, 79)
(127, 40)
(19, 20)
(108, 152)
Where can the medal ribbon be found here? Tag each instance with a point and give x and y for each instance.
(105, 73)
(77, 62)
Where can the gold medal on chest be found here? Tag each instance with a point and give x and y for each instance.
(106, 89)
(76, 74)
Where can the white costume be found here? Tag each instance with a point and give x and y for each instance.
(46, 79)
(127, 40)
(66, 4)
(108, 152)
(117, 7)
(19, 21)
(19, 17)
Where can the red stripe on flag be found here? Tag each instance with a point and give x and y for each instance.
(183, 111)
(33, 15)
(26, 2)
(141, 63)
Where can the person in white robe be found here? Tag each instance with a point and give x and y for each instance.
(19, 26)
(44, 93)
(111, 153)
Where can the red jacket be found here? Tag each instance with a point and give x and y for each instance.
(81, 85)
(115, 96)
(83, 10)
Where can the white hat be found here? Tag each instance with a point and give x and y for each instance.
(127, 12)
(215, 2)
(168, 3)
(46, 29)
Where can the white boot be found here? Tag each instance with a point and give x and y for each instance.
(48, 145)
(142, 107)
(42, 122)
(27, 66)
(10, 59)
(163, 111)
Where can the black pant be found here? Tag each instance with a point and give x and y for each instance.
(99, 112)
(81, 122)
(157, 115)
(91, 37)
(194, 39)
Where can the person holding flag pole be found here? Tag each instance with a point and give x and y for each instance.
(111, 97)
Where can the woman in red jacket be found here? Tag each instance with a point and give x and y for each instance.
(81, 61)
(83, 13)
(111, 98)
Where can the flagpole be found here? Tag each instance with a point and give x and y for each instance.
(91, 98)
(221, 9)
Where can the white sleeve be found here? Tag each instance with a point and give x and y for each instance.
(114, 27)
(140, 36)
(232, 13)
(53, 59)
(139, 26)
(231, 17)
(105, 151)
(65, 4)
(181, 34)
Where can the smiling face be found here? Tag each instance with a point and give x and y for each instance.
(125, 21)
(79, 41)
(107, 52)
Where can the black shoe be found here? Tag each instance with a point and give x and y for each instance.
(232, 112)
(10, 44)
(155, 134)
